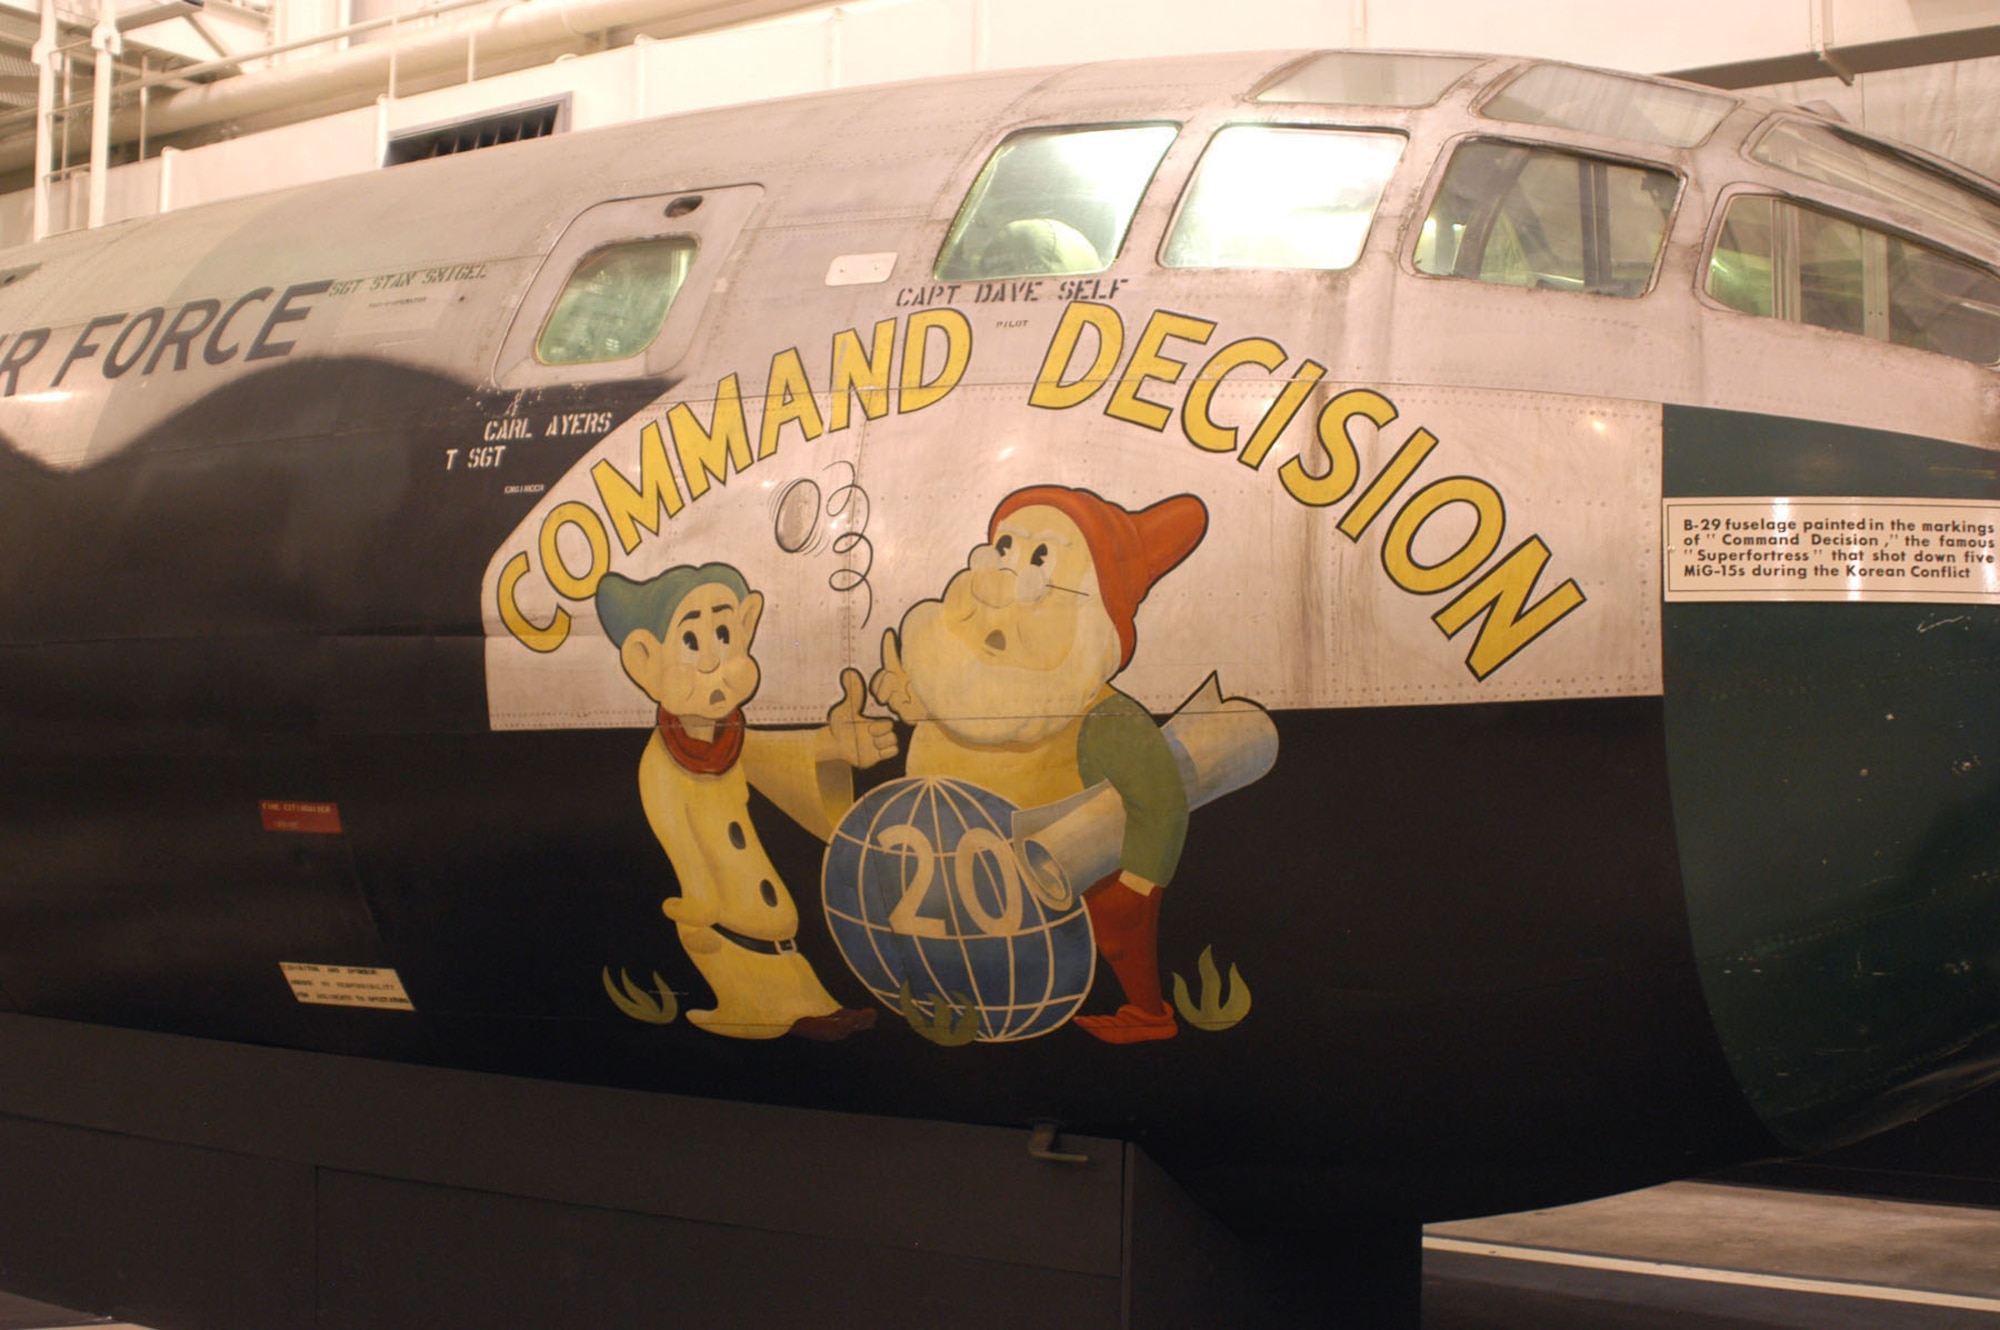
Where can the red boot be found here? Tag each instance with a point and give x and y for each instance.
(1127, 926)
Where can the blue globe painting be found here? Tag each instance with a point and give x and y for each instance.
(922, 886)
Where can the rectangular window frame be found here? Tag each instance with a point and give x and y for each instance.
(1264, 93)
(1194, 174)
(1441, 163)
(1985, 199)
(1505, 87)
(714, 225)
(1786, 296)
(969, 188)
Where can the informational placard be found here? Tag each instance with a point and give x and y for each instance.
(1943, 551)
(347, 986)
(312, 819)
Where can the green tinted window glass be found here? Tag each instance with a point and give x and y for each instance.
(1776, 259)
(1528, 216)
(616, 301)
(1266, 197)
(1370, 78)
(1053, 201)
(1739, 269)
(1595, 102)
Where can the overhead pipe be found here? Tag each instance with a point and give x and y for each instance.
(355, 76)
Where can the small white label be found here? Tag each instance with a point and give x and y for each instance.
(390, 312)
(347, 986)
(860, 269)
(1934, 551)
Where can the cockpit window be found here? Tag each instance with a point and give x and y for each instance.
(1369, 78)
(1269, 197)
(1820, 153)
(1542, 217)
(1594, 102)
(1053, 201)
(1780, 260)
(616, 301)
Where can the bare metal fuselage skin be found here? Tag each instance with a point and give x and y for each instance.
(1559, 883)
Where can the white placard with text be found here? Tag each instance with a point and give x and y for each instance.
(1942, 551)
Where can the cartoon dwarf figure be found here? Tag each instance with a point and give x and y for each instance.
(1007, 680)
(684, 637)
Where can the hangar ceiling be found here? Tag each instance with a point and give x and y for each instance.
(207, 98)
(156, 36)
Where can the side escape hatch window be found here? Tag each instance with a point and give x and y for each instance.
(1522, 215)
(1270, 197)
(615, 302)
(622, 292)
(1053, 201)
(1780, 260)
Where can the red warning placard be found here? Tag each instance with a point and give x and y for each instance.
(291, 815)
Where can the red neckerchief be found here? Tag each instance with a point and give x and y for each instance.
(711, 758)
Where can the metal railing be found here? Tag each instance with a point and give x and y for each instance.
(51, 114)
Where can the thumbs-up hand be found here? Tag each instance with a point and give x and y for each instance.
(858, 739)
(891, 684)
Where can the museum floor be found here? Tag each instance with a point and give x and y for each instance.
(1689, 1254)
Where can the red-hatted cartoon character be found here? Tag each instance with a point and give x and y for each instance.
(1007, 680)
